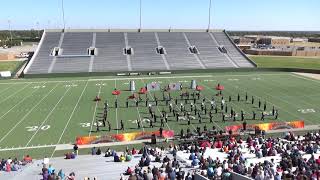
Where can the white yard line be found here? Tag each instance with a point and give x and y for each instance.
(71, 115)
(94, 112)
(21, 101)
(269, 102)
(156, 106)
(30, 147)
(222, 109)
(6, 88)
(293, 104)
(162, 77)
(14, 93)
(138, 114)
(47, 117)
(26, 115)
(115, 86)
(304, 77)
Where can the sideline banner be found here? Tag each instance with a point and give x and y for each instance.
(268, 126)
(82, 140)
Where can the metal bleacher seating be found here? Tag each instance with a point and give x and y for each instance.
(145, 56)
(110, 52)
(209, 52)
(178, 55)
(43, 60)
(232, 51)
(109, 47)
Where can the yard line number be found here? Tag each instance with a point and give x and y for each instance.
(306, 111)
(38, 87)
(35, 128)
(71, 85)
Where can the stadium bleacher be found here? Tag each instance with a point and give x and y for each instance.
(70, 51)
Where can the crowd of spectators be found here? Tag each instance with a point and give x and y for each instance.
(9, 164)
(254, 156)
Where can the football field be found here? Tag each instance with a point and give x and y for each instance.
(37, 114)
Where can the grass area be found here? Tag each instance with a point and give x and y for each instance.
(286, 62)
(9, 65)
(55, 111)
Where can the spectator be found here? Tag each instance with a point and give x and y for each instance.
(61, 174)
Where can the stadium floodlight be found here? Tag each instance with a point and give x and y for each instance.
(63, 19)
(209, 15)
(9, 24)
(140, 15)
(38, 28)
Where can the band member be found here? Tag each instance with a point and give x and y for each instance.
(244, 126)
(121, 125)
(253, 115)
(238, 97)
(252, 100)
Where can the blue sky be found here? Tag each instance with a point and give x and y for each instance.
(226, 14)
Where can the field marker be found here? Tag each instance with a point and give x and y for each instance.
(14, 93)
(94, 112)
(48, 115)
(71, 115)
(26, 115)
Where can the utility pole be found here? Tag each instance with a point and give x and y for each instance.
(38, 29)
(9, 23)
(63, 18)
(209, 15)
(140, 15)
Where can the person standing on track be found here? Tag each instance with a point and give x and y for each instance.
(121, 125)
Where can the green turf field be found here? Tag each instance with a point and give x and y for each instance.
(9, 65)
(286, 62)
(41, 112)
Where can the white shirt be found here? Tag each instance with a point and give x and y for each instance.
(219, 171)
(46, 160)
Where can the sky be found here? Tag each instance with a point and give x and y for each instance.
(286, 15)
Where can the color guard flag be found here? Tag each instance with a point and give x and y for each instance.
(153, 86)
(174, 86)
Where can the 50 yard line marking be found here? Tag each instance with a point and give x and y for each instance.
(24, 117)
(48, 115)
(71, 115)
(94, 112)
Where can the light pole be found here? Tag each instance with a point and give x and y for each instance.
(140, 15)
(38, 29)
(209, 16)
(63, 19)
(9, 23)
